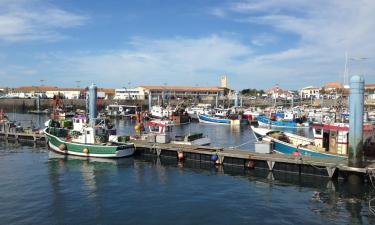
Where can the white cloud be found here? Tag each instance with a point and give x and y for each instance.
(173, 61)
(35, 20)
(324, 31)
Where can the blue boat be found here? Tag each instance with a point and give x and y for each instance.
(287, 143)
(263, 120)
(213, 119)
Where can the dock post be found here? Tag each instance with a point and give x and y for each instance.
(149, 101)
(356, 100)
(217, 100)
(93, 95)
(236, 99)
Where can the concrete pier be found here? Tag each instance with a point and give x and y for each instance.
(327, 167)
(29, 137)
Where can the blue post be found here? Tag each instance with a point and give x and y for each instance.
(93, 91)
(356, 100)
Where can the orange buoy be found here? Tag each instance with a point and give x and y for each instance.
(86, 150)
(250, 164)
(180, 155)
(62, 147)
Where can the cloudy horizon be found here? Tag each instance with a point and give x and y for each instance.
(256, 43)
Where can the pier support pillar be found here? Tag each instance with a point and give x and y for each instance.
(271, 164)
(270, 176)
(356, 104)
(331, 171)
(158, 151)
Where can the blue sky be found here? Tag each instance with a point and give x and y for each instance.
(257, 43)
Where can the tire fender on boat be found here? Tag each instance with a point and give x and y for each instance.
(86, 150)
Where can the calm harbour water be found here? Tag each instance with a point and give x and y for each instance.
(39, 187)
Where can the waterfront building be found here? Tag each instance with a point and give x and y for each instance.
(276, 92)
(130, 94)
(370, 91)
(206, 93)
(310, 92)
(51, 91)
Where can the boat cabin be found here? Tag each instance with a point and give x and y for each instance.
(79, 122)
(333, 138)
(160, 126)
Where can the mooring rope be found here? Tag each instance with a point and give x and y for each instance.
(233, 147)
(371, 207)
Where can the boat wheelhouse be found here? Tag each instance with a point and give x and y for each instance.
(290, 120)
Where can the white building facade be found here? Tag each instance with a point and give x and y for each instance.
(310, 92)
(130, 94)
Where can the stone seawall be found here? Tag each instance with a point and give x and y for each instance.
(24, 105)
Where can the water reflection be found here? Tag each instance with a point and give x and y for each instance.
(334, 201)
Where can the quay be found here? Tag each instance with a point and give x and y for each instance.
(326, 167)
(30, 137)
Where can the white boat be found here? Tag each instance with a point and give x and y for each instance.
(330, 140)
(194, 111)
(192, 139)
(160, 112)
(117, 110)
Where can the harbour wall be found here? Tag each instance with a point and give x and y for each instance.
(24, 105)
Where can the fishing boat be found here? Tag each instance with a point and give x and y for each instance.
(87, 137)
(161, 130)
(289, 120)
(86, 144)
(330, 140)
(194, 111)
(160, 112)
(203, 118)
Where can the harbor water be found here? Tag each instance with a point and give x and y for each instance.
(40, 187)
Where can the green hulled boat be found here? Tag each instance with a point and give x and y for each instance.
(86, 144)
